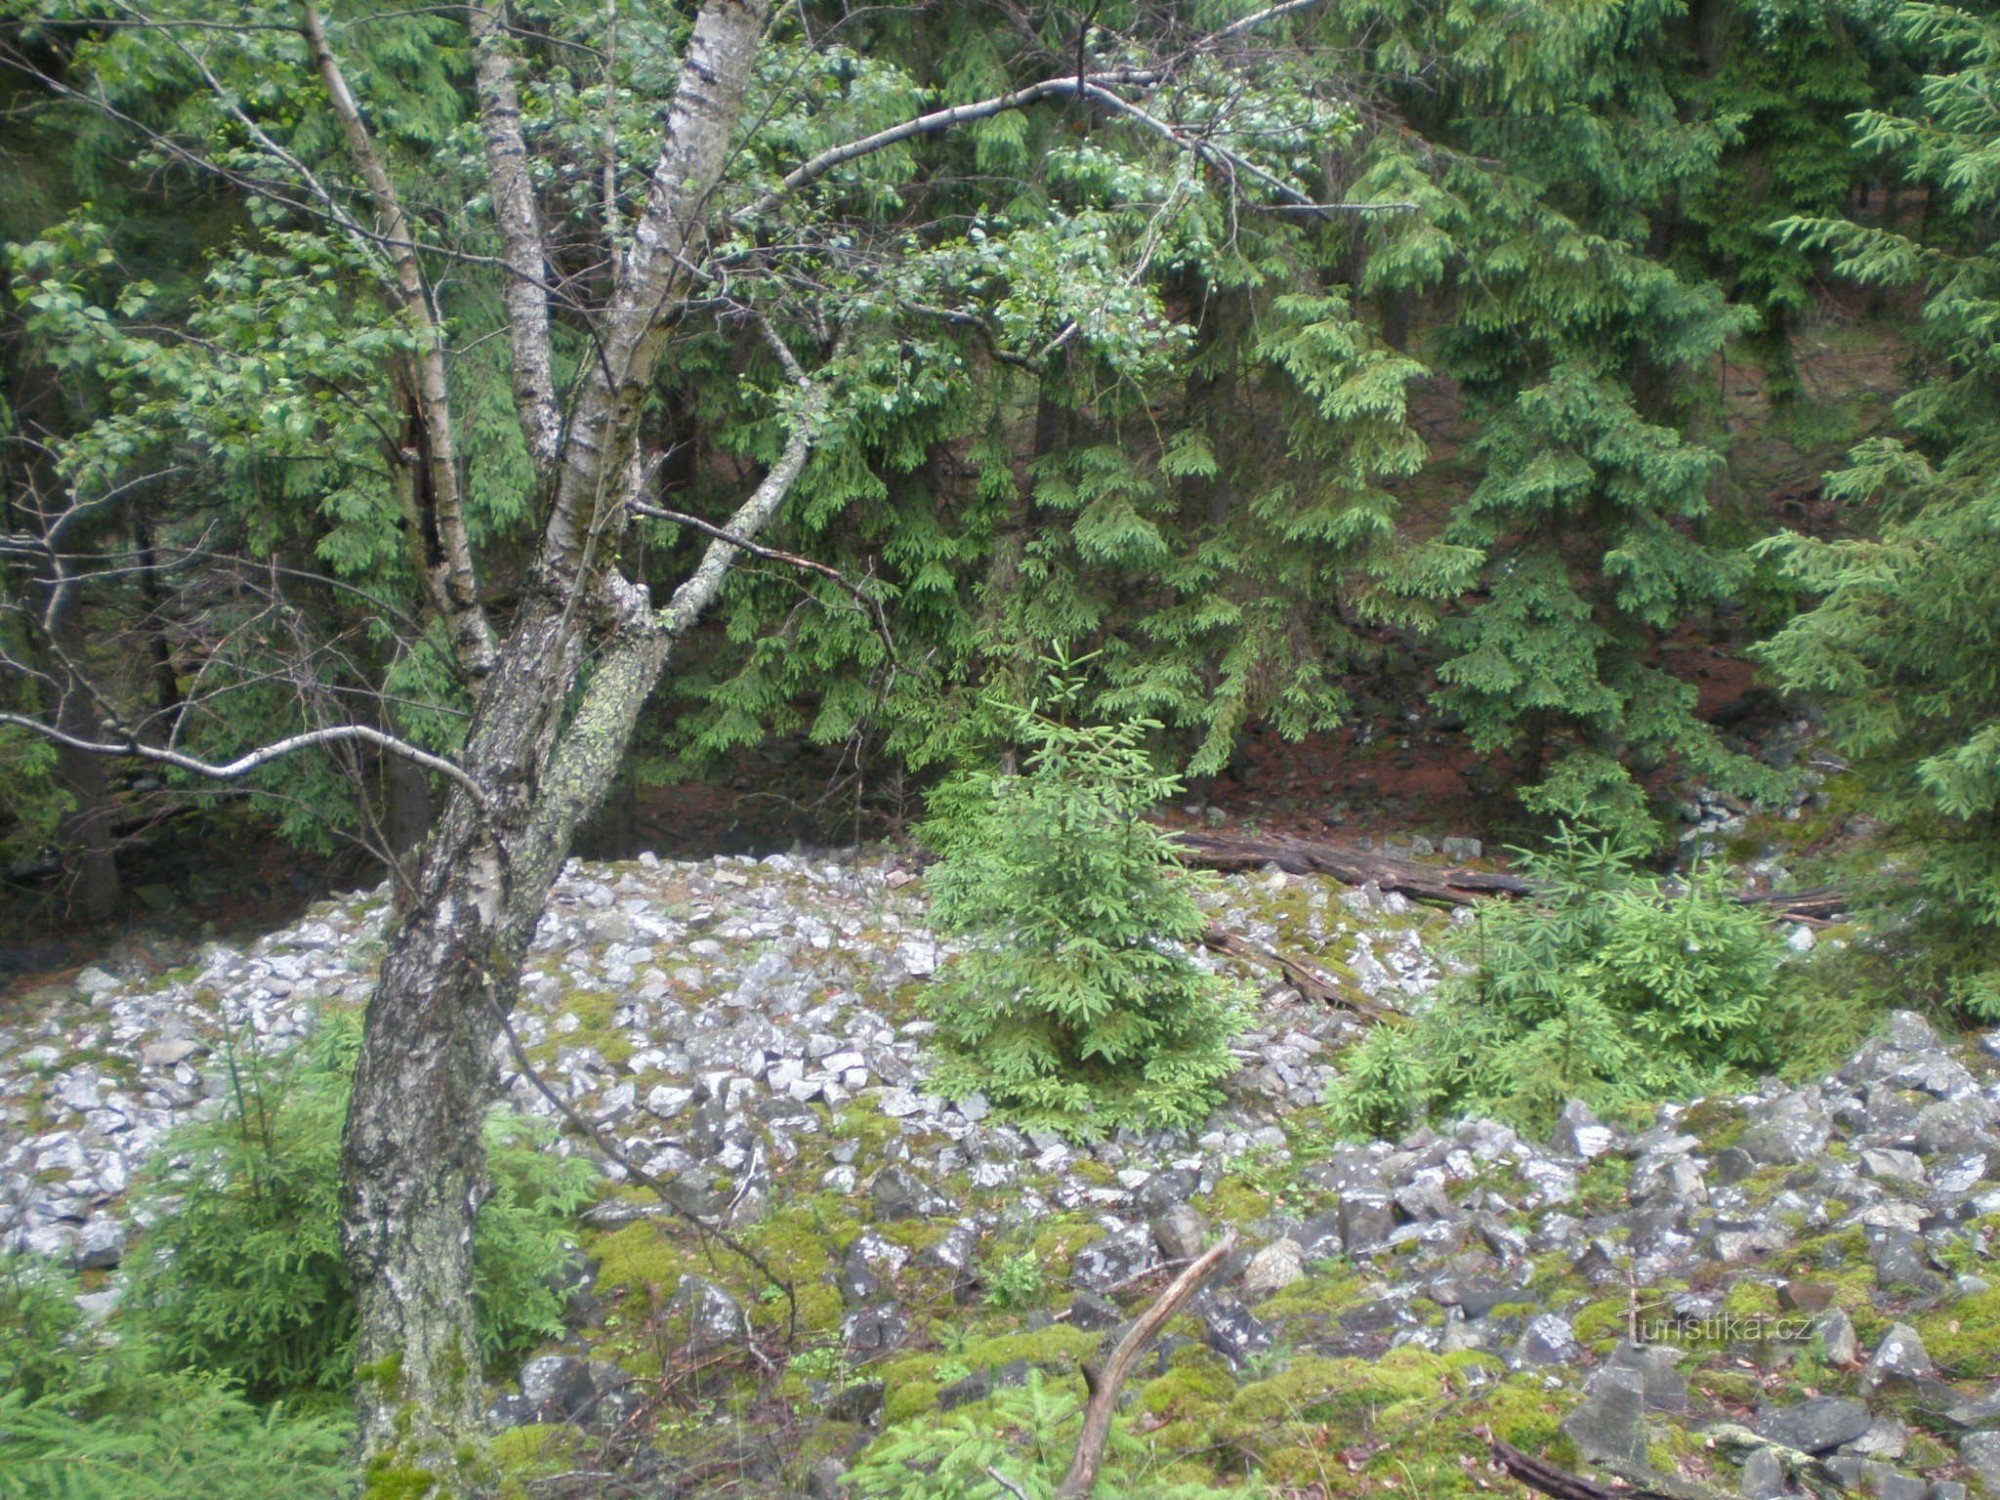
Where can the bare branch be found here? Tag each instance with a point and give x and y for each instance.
(790, 559)
(519, 221)
(1105, 1382)
(263, 755)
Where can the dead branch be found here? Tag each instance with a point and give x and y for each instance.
(1308, 978)
(1106, 1380)
(263, 755)
(1545, 1478)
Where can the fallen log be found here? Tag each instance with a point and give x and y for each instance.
(1350, 866)
(1453, 886)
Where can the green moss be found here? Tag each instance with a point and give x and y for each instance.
(521, 1455)
(911, 1399)
(1331, 1289)
(1057, 1242)
(593, 1011)
(1727, 1387)
(1964, 1339)
(638, 1256)
(1057, 1347)
(1716, 1123)
(1603, 1323)
(388, 1479)
(1188, 1390)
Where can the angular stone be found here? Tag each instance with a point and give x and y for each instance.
(1817, 1425)
(1113, 1260)
(1886, 1438)
(172, 1051)
(1273, 1268)
(1610, 1425)
(899, 1193)
(714, 1321)
(874, 1330)
(1579, 1132)
(1763, 1477)
(1092, 1313)
(1663, 1385)
(1548, 1340)
(1900, 1355)
(101, 1244)
(1233, 1331)
(1181, 1232)
(1839, 1344)
(1981, 1453)
(1366, 1222)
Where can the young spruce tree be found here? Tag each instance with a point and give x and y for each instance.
(1074, 1009)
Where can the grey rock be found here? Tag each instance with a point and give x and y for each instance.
(1117, 1258)
(94, 983)
(1610, 1425)
(100, 1245)
(1981, 1453)
(1547, 1340)
(1319, 1236)
(714, 1321)
(171, 1051)
(1902, 1262)
(1366, 1222)
(1946, 1489)
(1663, 1385)
(1579, 1132)
(856, 1403)
(874, 1330)
(1959, 1125)
(1273, 1268)
(1974, 1413)
(1886, 1438)
(1233, 1331)
(564, 1388)
(1181, 1232)
(1093, 1313)
(1733, 1164)
(1881, 1482)
(1459, 850)
(1838, 1342)
(1817, 1425)
(1763, 1476)
(900, 1194)
(1789, 1129)
(1900, 1355)
(827, 1480)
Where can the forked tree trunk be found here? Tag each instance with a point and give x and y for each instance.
(414, 1163)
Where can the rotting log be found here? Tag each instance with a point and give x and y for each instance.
(1450, 885)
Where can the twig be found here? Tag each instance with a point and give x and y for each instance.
(661, 1190)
